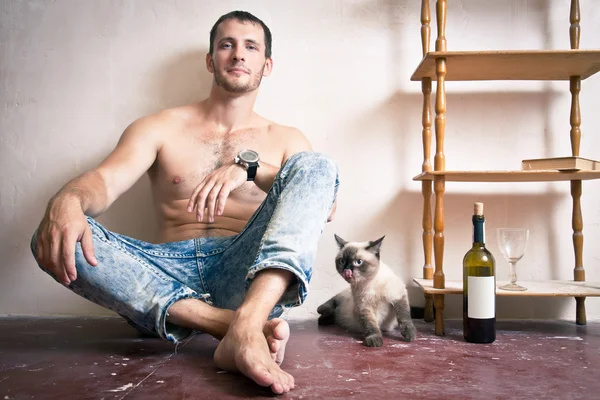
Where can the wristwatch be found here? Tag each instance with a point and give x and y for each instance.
(249, 160)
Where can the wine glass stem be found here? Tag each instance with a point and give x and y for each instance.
(512, 275)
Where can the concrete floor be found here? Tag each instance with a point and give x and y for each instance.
(104, 358)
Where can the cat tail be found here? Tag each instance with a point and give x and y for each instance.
(327, 310)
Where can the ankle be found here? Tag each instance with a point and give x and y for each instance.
(247, 320)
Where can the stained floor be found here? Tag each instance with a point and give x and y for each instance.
(103, 358)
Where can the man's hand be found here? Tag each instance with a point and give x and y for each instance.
(61, 228)
(211, 194)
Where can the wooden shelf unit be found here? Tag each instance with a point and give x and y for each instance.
(518, 65)
(440, 66)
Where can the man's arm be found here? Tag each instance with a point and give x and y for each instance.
(64, 223)
(133, 155)
(212, 192)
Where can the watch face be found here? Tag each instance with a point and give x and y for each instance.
(249, 156)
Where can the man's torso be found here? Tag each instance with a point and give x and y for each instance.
(189, 152)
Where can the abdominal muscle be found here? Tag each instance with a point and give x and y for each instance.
(177, 224)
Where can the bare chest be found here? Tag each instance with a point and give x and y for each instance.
(186, 159)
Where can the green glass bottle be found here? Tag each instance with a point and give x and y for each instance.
(479, 286)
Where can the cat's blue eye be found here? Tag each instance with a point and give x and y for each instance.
(358, 262)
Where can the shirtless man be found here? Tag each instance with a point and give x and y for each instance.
(237, 241)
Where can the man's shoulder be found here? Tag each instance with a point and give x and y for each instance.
(291, 139)
(283, 130)
(174, 115)
(165, 120)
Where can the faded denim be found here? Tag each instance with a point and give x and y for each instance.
(140, 280)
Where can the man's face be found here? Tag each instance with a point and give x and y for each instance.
(238, 60)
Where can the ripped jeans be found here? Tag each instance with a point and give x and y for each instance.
(140, 280)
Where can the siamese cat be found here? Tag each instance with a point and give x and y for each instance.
(376, 300)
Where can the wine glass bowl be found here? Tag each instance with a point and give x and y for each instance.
(512, 243)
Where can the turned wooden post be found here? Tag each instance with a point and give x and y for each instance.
(426, 186)
(439, 165)
(576, 187)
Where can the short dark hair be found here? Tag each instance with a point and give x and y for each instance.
(242, 16)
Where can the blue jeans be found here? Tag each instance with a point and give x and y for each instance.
(140, 280)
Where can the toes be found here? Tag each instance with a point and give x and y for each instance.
(291, 381)
(274, 344)
(261, 376)
(284, 382)
(277, 332)
(256, 361)
(281, 329)
(277, 388)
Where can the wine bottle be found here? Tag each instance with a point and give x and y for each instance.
(479, 286)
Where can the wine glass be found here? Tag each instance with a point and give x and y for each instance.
(512, 243)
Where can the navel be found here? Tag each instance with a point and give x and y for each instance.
(176, 180)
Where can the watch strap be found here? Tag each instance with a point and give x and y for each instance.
(251, 169)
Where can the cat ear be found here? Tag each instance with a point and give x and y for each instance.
(374, 247)
(341, 242)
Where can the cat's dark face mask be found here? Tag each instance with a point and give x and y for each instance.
(350, 267)
(345, 268)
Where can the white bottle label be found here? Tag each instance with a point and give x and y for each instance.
(481, 297)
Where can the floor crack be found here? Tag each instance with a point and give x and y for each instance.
(183, 344)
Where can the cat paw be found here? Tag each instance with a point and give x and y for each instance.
(373, 341)
(409, 332)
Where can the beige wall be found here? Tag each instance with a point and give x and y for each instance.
(75, 73)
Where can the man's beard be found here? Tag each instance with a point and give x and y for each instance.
(237, 87)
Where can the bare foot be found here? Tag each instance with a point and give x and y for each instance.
(277, 332)
(246, 349)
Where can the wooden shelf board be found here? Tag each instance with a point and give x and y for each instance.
(534, 288)
(509, 176)
(511, 65)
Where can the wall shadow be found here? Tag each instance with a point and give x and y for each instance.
(181, 79)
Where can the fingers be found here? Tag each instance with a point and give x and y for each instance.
(56, 264)
(67, 253)
(211, 201)
(56, 250)
(198, 198)
(39, 249)
(194, 196)
(43, 253)
(210, 196)
(87, 246)
(201, 203)
(217, 200)
(222, 198)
